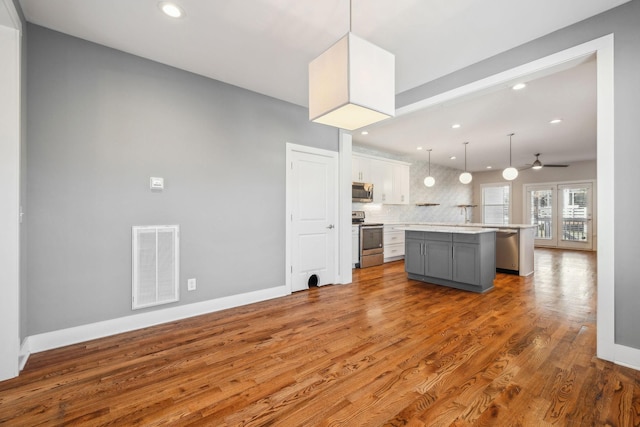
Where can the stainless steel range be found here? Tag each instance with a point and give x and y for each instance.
(371, 241)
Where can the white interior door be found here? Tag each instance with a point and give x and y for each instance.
(314, 214)
(575, 216)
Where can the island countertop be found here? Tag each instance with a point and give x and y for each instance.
(446, 229)
(458, 225)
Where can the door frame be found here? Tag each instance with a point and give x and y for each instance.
(290, 149)
(10, 145)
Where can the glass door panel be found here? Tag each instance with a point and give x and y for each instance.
(575, 216)
(541, 213)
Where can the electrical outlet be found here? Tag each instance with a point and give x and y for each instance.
(191, 284)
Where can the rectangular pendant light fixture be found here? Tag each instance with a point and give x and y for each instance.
(352, 84)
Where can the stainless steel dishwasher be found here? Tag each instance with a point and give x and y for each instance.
(507, 250)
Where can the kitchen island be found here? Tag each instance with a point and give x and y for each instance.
(516, 241)
(458, 257)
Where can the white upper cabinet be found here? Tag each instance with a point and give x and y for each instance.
(401, 184)
(390, 178)
(361, 169)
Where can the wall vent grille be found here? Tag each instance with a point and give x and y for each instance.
(155, 265)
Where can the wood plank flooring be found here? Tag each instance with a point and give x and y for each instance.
(383, 351)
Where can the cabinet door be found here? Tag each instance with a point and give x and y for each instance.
(414, 258)
(401, 184)
(438, 259)
(382, 178)
(466, 263)
(355, 169)
(361, 169)
(355, 245)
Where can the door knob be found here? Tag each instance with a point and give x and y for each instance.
(330, 226)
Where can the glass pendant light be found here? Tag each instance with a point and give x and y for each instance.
(510, 173)
(465, 177)
(537, 164)
(429, 181)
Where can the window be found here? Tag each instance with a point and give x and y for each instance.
(496, 206)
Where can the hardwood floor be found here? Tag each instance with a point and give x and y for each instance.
(384, 350)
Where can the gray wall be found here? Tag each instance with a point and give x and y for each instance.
(623, 23)
(100, 123)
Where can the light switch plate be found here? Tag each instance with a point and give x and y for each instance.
(191, 284)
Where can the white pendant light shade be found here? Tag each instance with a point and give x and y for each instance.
(429, 181)
(510, 173)
(352, 84)
(465, 177)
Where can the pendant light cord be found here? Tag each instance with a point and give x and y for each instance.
(510, 135)
(465, 156)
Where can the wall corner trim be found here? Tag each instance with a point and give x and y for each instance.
(25, 352)
(77, 334)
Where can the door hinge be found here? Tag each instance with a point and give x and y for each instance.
(291, 165)
(292, 269)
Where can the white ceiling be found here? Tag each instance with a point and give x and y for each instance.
(486, 119)
(266, 45)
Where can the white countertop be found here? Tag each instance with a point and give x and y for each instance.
(457, 225)
(447, 229)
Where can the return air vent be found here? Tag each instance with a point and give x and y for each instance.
(155, 265)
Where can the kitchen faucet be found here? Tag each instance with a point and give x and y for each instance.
(463, 210)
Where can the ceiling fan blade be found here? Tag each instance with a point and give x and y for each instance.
(555, 166)
(522, 168)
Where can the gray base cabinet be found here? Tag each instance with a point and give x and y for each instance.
(459, 260)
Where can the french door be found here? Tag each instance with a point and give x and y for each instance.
(562, 214)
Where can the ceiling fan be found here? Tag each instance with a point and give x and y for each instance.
(537, 164)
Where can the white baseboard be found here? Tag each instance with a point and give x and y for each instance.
(77, 334)
(627, 356)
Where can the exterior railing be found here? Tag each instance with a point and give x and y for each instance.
(573, 229)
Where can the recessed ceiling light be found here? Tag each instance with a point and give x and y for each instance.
(418, 148)
(455, 126)
(365, 132)
(555, 121)
(452, 157)
(489, 167)
(519, 86)
(171, 9)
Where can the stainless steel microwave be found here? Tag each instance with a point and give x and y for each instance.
(362, 192)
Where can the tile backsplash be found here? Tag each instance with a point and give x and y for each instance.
(448, 192)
